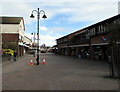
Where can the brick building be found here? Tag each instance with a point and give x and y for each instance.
(13, 34)
(91, 42)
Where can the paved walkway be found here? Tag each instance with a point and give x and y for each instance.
(60, 73)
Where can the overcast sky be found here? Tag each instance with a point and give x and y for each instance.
(64, 16)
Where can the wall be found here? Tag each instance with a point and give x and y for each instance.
(10, 37)
(21, 28)
(10, 28)
(98, 39)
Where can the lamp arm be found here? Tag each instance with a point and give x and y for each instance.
(42, 11)
(34, 11)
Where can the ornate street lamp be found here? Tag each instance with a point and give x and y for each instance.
(38, 17)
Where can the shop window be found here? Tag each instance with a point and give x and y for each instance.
(104, 28)
(91, 32)
(101, 29)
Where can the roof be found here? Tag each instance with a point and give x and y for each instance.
(109, 19)
(10, 20)
(54, 46)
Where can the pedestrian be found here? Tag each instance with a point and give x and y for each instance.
(15, 55)
(79, 56)
(87, 54)
(12, 56)
(34, 54)
(111, 66)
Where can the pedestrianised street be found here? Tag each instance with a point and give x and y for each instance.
(59, 73)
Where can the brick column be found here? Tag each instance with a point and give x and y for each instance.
(77, 51)
(91, 52)
(17, 50)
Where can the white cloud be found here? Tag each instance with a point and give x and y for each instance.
(93, 12)
(58, 0)
(51, 35)
(43, 28)
(49, 40)
(75, 10)
(17, 9)
(83, 11)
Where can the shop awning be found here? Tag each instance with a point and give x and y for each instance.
(24, 45)
(100, 44)
(79, 45)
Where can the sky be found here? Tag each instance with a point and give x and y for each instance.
(63, 16)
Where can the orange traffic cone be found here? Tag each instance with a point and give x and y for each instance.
(44, 61)
(31, 62)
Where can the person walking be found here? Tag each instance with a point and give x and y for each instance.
(111, 67)
(15, 55)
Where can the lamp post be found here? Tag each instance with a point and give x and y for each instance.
(38, 17)
(33, 38)
(33, 46)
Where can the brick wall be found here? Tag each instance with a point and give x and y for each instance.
(10, 37)
(98, 39)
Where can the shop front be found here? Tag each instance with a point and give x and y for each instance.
(101, 51)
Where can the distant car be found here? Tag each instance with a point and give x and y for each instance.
(32, 51)
(43, 51)
(50, 50)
